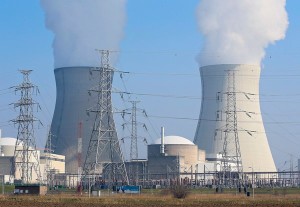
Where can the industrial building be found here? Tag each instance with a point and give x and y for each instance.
(171, 157)
(7, 147)
(211, 130)
(179, 155)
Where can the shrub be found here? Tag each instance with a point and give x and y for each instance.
(179, 191)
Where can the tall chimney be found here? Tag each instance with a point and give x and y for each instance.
(162, 147)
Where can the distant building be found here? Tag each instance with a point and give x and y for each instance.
(180, 156)
(7, 148)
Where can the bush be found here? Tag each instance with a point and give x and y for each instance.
(179, 191)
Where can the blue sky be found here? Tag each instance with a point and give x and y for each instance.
(161, 38)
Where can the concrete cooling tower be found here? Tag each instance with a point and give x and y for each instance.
(72, 102)
(210, 134)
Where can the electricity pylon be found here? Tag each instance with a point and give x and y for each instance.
(231, 161)
(133, 144)
(133, 167)
(26, 157)
(104, 157)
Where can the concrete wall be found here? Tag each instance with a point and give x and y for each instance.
(255, 149)
(189, 152)
(7, 150)
(201, 155)
(163, 164)
(186, 155)
(57, 163)
(5, 163)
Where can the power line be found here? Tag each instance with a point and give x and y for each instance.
(215, 120)
(196, 75)
(210, 98)
(144, 111)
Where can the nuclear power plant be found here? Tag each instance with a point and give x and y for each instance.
(219, 82)
(230, 142)
(183, 106)
(73, 101)
(230, 146)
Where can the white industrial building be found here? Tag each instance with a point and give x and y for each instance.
(7, 148)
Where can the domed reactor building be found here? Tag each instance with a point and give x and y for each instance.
(219, 84)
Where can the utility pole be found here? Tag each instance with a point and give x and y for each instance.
(104, 157)
(231, 158)
(26, 158)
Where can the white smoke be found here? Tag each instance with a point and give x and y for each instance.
(238, 31)
(81, 26)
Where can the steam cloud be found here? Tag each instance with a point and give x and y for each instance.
(238, 31)
(81, 26)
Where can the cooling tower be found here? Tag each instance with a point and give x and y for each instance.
(210, 134)
(72, 102)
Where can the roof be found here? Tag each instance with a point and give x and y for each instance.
(174, 140)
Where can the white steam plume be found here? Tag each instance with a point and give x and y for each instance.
(81, 26)
(238, 31)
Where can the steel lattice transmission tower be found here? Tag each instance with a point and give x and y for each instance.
(104, 156)
(133, 144)
(133, 166)
(26, 157)
(231, 158)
